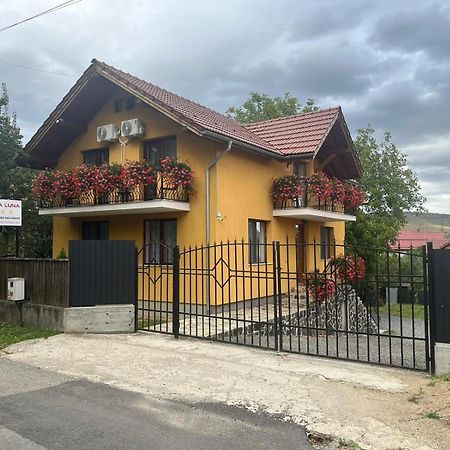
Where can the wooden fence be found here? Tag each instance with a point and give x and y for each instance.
(46, 280)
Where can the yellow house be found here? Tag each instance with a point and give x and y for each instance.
(234, 166)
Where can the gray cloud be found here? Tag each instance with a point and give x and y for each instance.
(385, 66)
(415, 30)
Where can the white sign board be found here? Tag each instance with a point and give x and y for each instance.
(10, 213)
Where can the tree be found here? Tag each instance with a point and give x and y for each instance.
(392, 188)
(260, 107)
(15, 183)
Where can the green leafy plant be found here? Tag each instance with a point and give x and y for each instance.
(62, 254)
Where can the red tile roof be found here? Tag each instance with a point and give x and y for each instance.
(303, 133)
(407, 239)
(299, 134)
(200, 116)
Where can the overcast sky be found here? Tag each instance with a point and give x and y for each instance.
(387, 63)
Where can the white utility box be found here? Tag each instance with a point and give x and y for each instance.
(16, 289)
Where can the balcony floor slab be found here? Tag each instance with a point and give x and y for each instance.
(144, 207)
(312, 214)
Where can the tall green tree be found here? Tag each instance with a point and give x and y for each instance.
(260, 107)
(15, 183)
(391, 186)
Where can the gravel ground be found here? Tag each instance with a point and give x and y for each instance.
(387, 348)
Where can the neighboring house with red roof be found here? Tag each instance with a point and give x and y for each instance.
(414, 239)
(234, 167)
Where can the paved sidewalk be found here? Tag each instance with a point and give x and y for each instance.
(354, 402)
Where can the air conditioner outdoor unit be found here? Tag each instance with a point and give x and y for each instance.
(132, 128)
(107, 133)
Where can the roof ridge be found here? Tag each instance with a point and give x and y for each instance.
(292, 116)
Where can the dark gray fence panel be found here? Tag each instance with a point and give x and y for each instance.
(441, 295)
(46, 280)
(102, 272)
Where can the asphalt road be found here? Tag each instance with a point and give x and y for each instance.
(45, 410)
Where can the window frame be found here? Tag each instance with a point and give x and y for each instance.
(99, 159)
(255, 256)
(167, 259)
(97, 223)
(118, 105)
(148, 142)
(325, 247)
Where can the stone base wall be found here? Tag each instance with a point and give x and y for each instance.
(344, 312)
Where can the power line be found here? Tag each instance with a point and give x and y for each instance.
(43, 13)
(38, 70)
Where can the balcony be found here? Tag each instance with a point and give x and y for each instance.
(318, 198)
(141, 200)
(132, 188)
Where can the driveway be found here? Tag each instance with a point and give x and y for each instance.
(40, 409)
(351, 402)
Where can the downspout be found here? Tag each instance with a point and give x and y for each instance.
(212, 164)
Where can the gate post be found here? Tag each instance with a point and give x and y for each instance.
(439, 278)
(429, 308)
(279, 300)
(176, 292)
(275, 294)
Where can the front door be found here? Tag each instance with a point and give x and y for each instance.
(300, 249)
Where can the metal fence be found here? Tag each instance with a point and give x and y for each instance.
(328, 300)
(102, 272)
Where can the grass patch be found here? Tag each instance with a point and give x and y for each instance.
(436, 379)
(416, 397)
(149, 323)
(406, 311)
(10, 334)
(433, 415)
(344, 445)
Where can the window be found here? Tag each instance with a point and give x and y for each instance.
(95, 231)
(96, 157)
(160, 239)
(157, 149)
(131, 102)
(257, 240)
(326, 241)
(118, 105)
(300, 168)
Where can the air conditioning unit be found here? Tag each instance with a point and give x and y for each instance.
(132, 128)
(107, 133)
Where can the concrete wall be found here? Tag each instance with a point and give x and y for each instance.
(94, 319)
(442, 359)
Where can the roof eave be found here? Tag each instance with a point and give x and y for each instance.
(245, 145)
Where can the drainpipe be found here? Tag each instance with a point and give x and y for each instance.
(212, 164)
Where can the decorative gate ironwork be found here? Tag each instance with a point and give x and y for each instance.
(343, 302)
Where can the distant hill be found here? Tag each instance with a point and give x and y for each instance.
(428, 222)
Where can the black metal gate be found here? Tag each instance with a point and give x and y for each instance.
(327, 300)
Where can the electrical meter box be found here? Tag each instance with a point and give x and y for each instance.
(16, 289)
